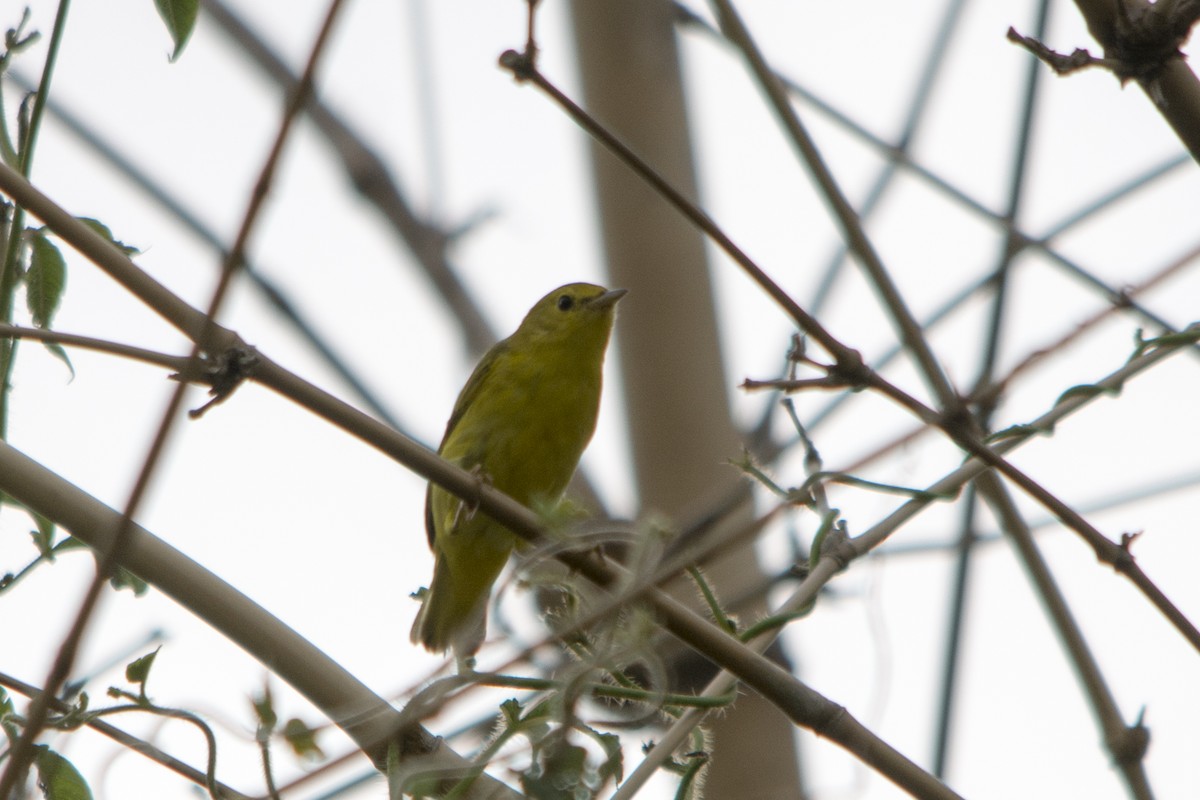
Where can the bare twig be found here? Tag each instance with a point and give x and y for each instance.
(849, 361)
(177, 363)
(1062, 63)
(856, 238)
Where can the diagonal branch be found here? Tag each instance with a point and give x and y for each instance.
(856, 238)
(365, 717)
(373, 180)
(1126, 744)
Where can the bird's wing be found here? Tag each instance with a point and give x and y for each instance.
(466, 397)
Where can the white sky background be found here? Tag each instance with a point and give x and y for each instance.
(327, 533)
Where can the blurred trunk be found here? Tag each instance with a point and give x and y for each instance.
(675, 384)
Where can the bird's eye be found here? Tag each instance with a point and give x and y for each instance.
(566, 302)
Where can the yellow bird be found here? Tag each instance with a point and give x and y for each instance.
(521, 422)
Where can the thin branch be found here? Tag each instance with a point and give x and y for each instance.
(963, 550)
(992, 456)
(899, 154)
(1035, 357)
(1126, 744)
(849, 361)
(840, 554)
(1030, 361)
(856, 238)
(984, 410)
(176, 363)
(1062, 63)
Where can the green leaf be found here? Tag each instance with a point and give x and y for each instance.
(264, 709)
(510, 712)
(124, 579)
(43, 537)
(139, 671)
(77, 716)
(45, 280)
(560, 775)
(70, 543)
(614, 761)
(303, 740)
(58, 352)
(103, 230)
(58, 778)
(180, 19)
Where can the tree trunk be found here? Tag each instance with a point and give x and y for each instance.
(675, 385)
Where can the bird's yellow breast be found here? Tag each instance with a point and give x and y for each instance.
(529, 431)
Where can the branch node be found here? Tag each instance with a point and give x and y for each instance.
(838, 547)
(1138, 41)
(851, 370)
(1127, 540)
(223, 375)
(1129, 744)
(519, 64)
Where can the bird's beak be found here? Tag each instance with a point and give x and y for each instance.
(608, 298)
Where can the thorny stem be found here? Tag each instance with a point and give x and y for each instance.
(9, 267)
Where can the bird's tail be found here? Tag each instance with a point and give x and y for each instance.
(454, 614)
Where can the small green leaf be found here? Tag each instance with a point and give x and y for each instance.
(58, 352)
(139, 671)
(45, 280)
(510, 711)
(559, 774)
(43, 537)
(70, 543)
(264, 709)
(103, 230)
(124, 579)
(77, 716)
(180, 19)
(58, 778)
(614, 762)
(303, 740)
